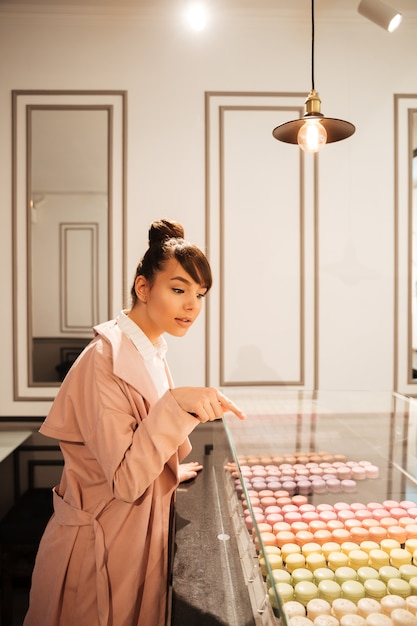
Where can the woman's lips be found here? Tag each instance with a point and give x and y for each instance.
(183, 321)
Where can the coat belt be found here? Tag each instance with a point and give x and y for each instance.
(68, 515)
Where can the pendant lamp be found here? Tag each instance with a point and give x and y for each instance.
(313, 130)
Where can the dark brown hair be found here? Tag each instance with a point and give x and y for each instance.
(166, 241)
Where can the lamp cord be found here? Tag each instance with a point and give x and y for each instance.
(312, 44)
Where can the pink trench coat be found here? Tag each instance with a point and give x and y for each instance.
(103, 558)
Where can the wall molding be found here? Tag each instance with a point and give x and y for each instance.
(262, 314)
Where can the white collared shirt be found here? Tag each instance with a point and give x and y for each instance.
(153, 355)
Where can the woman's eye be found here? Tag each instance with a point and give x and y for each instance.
(177, 290)
(201, 295)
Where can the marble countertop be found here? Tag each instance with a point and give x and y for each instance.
(10, 440)
(208, 587)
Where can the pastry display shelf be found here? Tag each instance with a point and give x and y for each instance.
(258, 596)
(375, 430)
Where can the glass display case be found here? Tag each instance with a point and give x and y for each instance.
(322, 492)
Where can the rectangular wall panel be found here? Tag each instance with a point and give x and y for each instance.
(79, 280)
(405, 227)
(260, 196)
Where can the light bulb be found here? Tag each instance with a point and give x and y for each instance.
(312, 136)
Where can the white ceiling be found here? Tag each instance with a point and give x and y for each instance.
(404, 6)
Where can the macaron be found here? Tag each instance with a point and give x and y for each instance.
(318, 606)
(367, 573)
(294, 561)
(289, 548)
(279, 576)
(366, 606)
(315, 561)
(312, 547)
(354, 522)
(348, 486)
(358, 558)
(303, 537)
(390, 504)
(359, 533)
(402, 617)
(301, 574)
(329, 590)
(411, 545)
(353, 590)
(284, 591)
(358, 472)
(340, 506)
(323, 573)
(293, 608)
(271, 550)
(372, 471)
(399, 587)
(297, 527)
(378, 558)
(411, 604)
(305, 591)
(411, 530)
(331, 546)
(389, 544)
(369, 545)
(341, 535)
(369, 522)
(273, 561)
(327, 515)
(398, 512)
(337, 559)
(377, 533)
(317, 524)
(389, 571)
(284, 536)
(375, 588)
(345, 573)
(322, 536)
(348, 546)
(391, 602)
(343, 606)
(400, 556)
(408, 571)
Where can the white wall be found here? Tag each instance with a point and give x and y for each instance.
(166, 69)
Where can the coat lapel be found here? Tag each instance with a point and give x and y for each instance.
(128, 363)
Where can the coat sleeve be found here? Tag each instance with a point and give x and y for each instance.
(131, 442)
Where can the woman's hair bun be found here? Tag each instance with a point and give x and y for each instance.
(161, 230)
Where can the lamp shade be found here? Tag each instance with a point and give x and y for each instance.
(336, 129)
(380, 13)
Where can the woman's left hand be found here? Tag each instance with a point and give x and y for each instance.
(187, 471)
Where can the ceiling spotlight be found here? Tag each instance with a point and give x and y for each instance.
(381, 14)
(313, 130)
(197, 16)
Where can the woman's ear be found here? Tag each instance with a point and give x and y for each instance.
(141, 288)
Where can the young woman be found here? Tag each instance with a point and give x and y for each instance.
(123, 430)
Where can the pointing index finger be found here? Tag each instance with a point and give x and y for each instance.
(228, 405)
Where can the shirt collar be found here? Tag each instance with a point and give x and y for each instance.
(143, 344)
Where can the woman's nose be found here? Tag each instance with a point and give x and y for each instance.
(190, 303)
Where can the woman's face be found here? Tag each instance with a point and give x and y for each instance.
(171, 304)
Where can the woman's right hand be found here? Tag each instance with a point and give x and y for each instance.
(205, 403)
